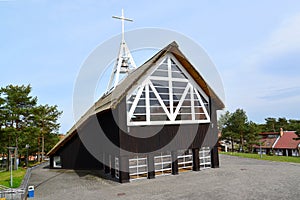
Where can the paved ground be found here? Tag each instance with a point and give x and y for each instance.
(237, 178)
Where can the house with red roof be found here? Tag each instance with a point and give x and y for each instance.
(286, 145)
(266, 142)
(281, 143)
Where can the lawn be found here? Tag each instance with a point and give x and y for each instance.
(265, 157)
(18, 176)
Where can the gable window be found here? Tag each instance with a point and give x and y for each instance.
(168, 96)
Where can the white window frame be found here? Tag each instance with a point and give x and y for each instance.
(138, 172)
(295, 152)
(55, 160)
(205, 158)
(117, 167)
(162, 170)
(187, 161)
(263, 151)
(279, 152)
(191, 87)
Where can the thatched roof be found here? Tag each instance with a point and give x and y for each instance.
(112, 99)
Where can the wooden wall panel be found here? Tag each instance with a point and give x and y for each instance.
(75, 156)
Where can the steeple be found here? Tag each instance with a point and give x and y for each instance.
(124, 62)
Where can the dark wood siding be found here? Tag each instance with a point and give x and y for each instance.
(134, 139)
(74, 155)
(211, 138)
(143, 139)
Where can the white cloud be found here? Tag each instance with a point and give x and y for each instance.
(260, 89)
(286, 38)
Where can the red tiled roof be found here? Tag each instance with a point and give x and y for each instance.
(266, 143)
(287, 141)
(269, 133)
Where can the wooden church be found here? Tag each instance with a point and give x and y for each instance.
(161, 117)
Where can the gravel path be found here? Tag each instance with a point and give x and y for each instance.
(237, 178)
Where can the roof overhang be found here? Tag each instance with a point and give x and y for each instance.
(111, 100)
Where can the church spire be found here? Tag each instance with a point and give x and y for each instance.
(124, 62)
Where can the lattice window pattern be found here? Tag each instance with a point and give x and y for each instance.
(163, 164)
(138, 167)
(205, 158)
(167, 96)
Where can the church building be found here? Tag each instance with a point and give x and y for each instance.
(162, 116)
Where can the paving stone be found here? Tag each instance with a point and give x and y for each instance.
(237, 178)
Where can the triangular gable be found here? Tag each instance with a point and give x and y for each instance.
(112, 100)
(169, 95)
(287, 141)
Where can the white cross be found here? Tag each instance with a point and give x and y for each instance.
(122, 18)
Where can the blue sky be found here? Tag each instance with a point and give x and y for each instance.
(255, 46)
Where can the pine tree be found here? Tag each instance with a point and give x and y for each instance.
(45, 119)
(270, 124)
(294, 125)
(17, 106)
(235, 128)
(252, 137)
(222, 120)
(23, 122)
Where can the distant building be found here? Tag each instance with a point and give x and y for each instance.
(266, 142)
(286, 145)
(278, 143)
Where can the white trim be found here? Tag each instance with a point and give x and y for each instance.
(117, 167)
(147, 103)
(123, 56)
(187, 160)
(140, 123)
(135, 102)
(278, 137)
(279, 152)
(181, 100)
(190, 78)
(184, 85)
(160, 100)
(146, 76)
(138, 172)
(170, 87)
(295, 152)
(192, 103)
(57, 159)
(205, 157)
(158, 78)
(161, 164)
(202, 105)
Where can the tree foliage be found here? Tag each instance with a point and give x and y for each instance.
(295, 126)
(252, 135)
(222, 120)
(274, 125)
(237, 129)
(23, 121)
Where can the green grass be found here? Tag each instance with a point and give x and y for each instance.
(265, 157)
(18, 176)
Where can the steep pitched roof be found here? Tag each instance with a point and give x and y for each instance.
(112, 99)
(266, 143)
(286, 141)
